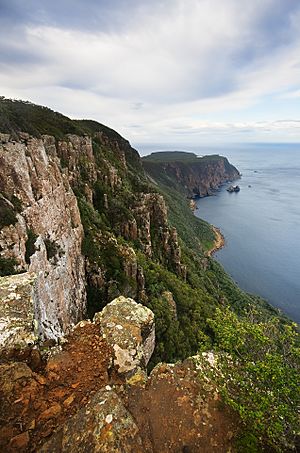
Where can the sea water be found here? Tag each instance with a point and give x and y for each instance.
(261, 223)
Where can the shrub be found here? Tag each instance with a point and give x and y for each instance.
(7, 214)
(258, 366)
(51, 248)
(7, 266)
(30, 248)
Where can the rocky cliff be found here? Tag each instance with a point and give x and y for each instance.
(78, 209)
(41, 229)
(198, 176)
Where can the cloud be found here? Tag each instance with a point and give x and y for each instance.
(157, 65)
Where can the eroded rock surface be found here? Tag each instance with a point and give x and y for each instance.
(17, 300)
(42, 231)
(90, 396)
(33, 404)
(129, 329)
(103, 425)
(179, 412)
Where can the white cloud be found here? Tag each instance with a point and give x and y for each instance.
(166, 69)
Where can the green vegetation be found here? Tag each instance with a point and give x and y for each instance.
(7, 213)
(30, 248)
(257, 369)
(105, 260)
(7, 266)
(17, 203)
(23, 116)
(194, 232)
(34, 119)
(53, 250)
(176, 339)
(178, 156)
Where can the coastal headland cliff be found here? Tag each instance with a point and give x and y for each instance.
(198, 176)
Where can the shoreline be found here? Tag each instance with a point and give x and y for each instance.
(219, 242)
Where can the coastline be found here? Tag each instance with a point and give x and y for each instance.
(219, 242)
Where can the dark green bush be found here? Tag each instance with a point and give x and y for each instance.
(30, 248)
(7, 266)
(52, 249)
(7, 214)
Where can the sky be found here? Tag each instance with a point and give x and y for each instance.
(182, 72)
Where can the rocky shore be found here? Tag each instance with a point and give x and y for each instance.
(218, 243)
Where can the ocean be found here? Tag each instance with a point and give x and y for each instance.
(261, 223)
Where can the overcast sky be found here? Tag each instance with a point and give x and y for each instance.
(162, 71)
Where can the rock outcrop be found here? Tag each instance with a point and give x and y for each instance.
(129, 329)
(102, 426)
(93, 394)
(179, 412)
(43, 233)
(74, 382)
(154, 232)
(85, 397)
(17, 312)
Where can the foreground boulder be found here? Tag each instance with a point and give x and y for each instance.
(129, 328)
(103, 425)
(17, 329)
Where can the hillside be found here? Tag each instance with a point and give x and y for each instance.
(91, 221)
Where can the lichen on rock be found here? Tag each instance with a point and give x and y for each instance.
(129, 329)
(17, 295)
(103, 425)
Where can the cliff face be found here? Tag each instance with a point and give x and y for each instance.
(116, 202)
(83, 224)
(197, 175)
(41, 229)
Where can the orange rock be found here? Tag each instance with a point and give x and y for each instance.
(52, 412)
(20, 442)
(40, 379)
(69, 401)
(59, 393)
